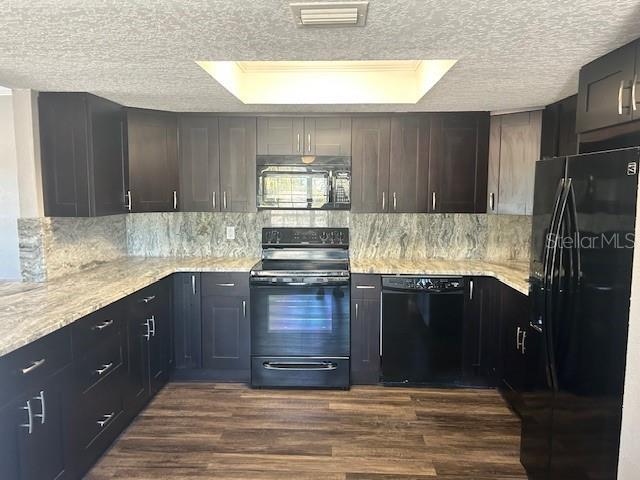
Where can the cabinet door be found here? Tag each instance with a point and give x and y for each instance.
(225, 336)
(199, 164)
(365, 329)
(604, 90)
(238, 164)
(33, 433)
(519, 151)
(280, 135)
(160, 341)
(493, 174)
(136, 391)
(370, 164)
(108, 155)
(153, 160)
(559, 137)
(514, 314)
(327, 136)
(64, 152)
(187, 320)
(481, 334)
(409, 164)
(458, 162)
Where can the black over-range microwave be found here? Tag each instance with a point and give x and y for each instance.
(303, 182)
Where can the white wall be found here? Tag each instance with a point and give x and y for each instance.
(629, 464)
(9, 198)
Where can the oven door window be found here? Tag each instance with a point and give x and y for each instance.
(300, 320)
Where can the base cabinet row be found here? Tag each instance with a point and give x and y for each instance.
(67, 396)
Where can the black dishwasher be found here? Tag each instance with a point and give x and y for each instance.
(422, 329)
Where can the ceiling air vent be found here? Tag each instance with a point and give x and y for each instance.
(330, 14)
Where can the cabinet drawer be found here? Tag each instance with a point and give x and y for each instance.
(365, 286)
(33, 363)
(100, 364)
(98, 409)
(147, 298)
(225, 284)
(91, 331)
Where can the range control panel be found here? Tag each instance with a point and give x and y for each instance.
(318, 237)
(423, 283)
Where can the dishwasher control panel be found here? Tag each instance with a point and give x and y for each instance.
(423, 283)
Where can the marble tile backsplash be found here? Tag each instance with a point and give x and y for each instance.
(50, 247)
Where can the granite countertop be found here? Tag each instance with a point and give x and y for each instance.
(29, 311)
(513, 274)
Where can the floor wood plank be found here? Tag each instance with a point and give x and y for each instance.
(228, 431)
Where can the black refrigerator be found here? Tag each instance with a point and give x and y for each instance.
(581, 262)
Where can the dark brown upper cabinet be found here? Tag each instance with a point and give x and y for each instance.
(238, 164)
(153, 161)
(82, 155)
(370, 164)
(607, 89)
(304, 136)
(559, 137)
(409, 164)
(281, 136)
(458, 146)
(199, 163)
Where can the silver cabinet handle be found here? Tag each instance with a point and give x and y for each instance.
(129, 200)
(298, 144)
(33, 366)
(29, 424)
(522, 347)
(309, 142)
(193, 284)
(225, 284)
(633, 93)
(537, 328)
(175, 200)
(148, 299)
(433, 200)
(103, 325)
(518, 333)
(43, 408)
(104, 368)
(380, 313)
(153, 325)
(148, 334)
(383, 201)
(365, 287)
(244, 308)
(224, 200)
(356, 311)
(213, 200)
(107, 417)
(492, 201)
(620, 97)
(395, 201)
(470, 289)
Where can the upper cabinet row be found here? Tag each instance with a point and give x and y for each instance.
(420, 163)
(607, 92)
(304, 136)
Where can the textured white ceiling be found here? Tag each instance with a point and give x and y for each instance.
(512, 53)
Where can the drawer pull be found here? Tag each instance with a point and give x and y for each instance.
(103, 325)
(104, 368)
(225, 284)
(29, 424)
(149, 299)
(33, 366)
(365, 287)
(107, 418)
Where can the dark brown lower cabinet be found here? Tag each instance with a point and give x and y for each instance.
(480, 333)
(187, 321)
(225, 326)
(514, 320)
(365, 329)
(34, 444)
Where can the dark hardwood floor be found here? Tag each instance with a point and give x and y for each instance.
(228, 431)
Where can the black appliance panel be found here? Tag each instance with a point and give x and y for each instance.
(300, 372)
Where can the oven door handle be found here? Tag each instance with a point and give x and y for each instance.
(300, 366)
